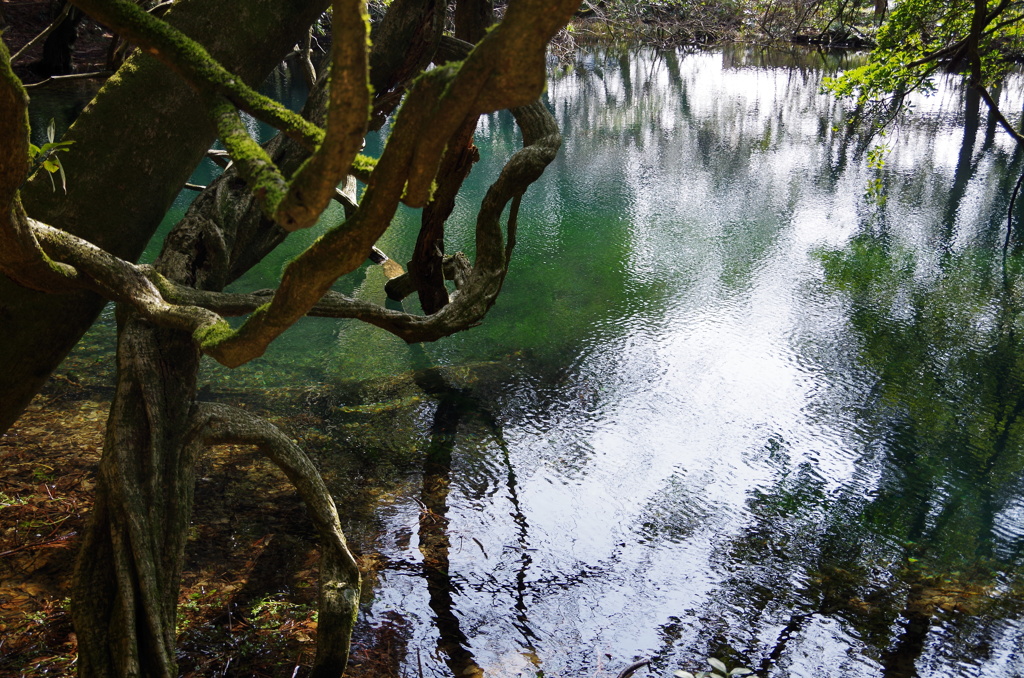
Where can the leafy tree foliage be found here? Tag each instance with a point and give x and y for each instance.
(921, 39)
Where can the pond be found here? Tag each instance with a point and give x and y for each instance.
(742, 396)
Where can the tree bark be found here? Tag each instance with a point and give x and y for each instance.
(473, 18)
(426, 266)
(134, 148)
(129, 565)
(128, 571)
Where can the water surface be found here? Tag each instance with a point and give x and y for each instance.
(731, 402)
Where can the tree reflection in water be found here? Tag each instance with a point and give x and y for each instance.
(453, 405)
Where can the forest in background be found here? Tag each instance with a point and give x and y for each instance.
(834, 23)
(838, 23)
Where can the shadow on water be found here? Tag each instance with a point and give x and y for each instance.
(406, 439)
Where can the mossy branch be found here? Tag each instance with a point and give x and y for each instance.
(296, 204)
(312, 186)
(170, 304)
(124, 282)
(490, 78)
(21, 257)
(24, 260)
(341, 249)
(217, 424)
(506, 68)
(194, 63)
(14, 133)
(264, 177)
(478, 287)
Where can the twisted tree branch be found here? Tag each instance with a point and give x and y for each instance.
(198, 312)
(436, 107)
(191, 60)
(216, 424)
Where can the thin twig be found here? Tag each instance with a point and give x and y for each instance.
(219, 157)
(38, 544)
(307, 60)
(46, 31)
(73, 76)
(161, 9)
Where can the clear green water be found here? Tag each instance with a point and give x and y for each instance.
(726, 404)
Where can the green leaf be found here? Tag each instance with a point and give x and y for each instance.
(683, 674)
(51, 165)
(717, 664)
(740, 671)
(51, 130)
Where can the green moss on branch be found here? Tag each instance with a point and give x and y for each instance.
(191, 60)
(265, 179)
(14, 132)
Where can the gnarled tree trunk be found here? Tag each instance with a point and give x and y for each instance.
(135, 147)
(128, 571)
(127, 576)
